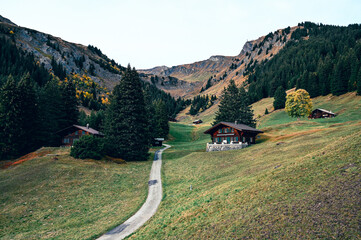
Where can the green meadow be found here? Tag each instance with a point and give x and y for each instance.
(301, 181)
(67, 198)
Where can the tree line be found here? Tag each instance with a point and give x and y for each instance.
(35, 104)
(201, 103)
(327, 61)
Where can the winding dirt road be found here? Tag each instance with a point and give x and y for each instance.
(149, 208)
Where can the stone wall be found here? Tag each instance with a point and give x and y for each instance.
(225, 147)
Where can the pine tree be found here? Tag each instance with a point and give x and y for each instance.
(18, 117)
(279, 98)
(29, 118)
(50, 113)
(9, 119)
(339, 81)
(69, 105)
(126, 128)
(150, 112)
(234, 106)
(161, 119)
(246, 112)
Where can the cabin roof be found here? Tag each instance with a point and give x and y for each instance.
(323, 110)
(87, 129)
(159, 139)
(240, 127)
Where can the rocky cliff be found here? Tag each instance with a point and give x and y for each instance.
(74, 58)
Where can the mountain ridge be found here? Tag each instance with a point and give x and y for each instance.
(210, 76)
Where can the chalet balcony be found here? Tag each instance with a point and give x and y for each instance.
(218, 146)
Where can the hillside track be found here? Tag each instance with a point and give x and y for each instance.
(149, 208)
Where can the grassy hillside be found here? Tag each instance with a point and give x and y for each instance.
(67, 198)
(302, 181)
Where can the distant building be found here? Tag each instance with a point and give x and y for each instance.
(158, 142)
(321, 113)
(228, 136)
(71, 134)
(198, 121)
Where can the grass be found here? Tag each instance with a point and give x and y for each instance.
(301, 182)
(67, 198)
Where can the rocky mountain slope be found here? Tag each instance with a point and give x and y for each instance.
(74, 58)
(212, 75)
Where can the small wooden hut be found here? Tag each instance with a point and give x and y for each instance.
(72, 133)
(321, 113)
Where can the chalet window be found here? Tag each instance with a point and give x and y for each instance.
(251, 140)
(66, 140)
(228, 139)
(83, 132)
(76, 133)
(244, 139)
(232, 129)
(236, 139)
(220, 130)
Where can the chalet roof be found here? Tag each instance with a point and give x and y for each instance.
(240, 127)
(159, 139)
(87, 129)
(323, 110)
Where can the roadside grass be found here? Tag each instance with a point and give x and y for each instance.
(69, 198)
(302, 181)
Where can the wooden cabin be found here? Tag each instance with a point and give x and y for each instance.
(198, 121)
(321, 113)
(227, 133)
(71, 134)
(158, 142)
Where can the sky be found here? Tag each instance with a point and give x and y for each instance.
(149, 33)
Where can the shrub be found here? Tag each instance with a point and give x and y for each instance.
(88, 146)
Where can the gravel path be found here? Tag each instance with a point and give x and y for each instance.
(150, 206)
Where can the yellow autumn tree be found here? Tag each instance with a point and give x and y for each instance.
(298, 104)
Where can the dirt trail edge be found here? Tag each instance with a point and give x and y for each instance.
(149, 208)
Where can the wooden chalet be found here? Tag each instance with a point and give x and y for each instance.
(321, 113)
(227, 133)
(198, 121)
(158, 142)
(71, 134)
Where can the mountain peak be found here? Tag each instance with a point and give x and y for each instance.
(216, 58)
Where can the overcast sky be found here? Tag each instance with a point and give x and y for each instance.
(149, 33)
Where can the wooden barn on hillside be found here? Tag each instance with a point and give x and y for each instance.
(226, 132)
(71, 134)
(231, 136)
(321, 113)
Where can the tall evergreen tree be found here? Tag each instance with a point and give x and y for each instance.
(126, 128)
(51, 114)
(246, 112)
(69, 105)
(29, 118)
(18, 117)
(9, 119)
(161, 119)
(234, 106)
(340, 80)
(279, 98)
